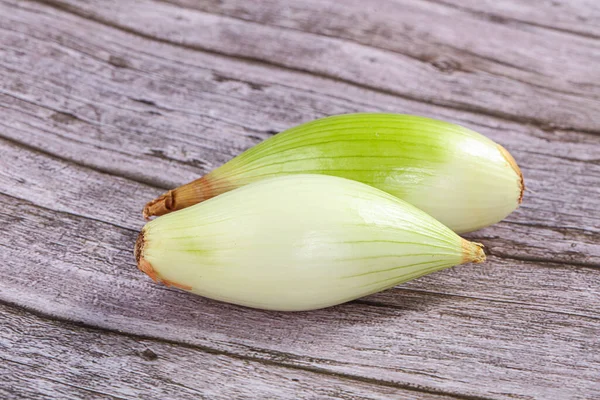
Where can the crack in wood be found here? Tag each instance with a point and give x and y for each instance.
(541, 260)
(531, 306)
(141, 180)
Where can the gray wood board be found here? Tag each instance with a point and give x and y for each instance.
(106, 104)
(53, 358)
(460, 87)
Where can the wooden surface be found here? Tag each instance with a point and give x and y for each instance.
(105, 104)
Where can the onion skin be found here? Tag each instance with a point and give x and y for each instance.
(461, 178)
(298, 242)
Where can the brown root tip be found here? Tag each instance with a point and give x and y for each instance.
(146, 267)
(139, 246)
(159, 206)
(472, 252)
(169, 283)
(513, 164)
(142, 264)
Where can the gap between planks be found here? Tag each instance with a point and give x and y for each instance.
(385, 49)
(506, 116)
(209, 350)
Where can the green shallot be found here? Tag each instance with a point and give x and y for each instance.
(461, 178)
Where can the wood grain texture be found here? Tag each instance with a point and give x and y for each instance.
(581, 17)
(106, 104)
(69, 361)
(68, 273)
(174, 145)
(450, 35)
(378, 69)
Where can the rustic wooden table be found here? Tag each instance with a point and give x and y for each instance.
(105, 104)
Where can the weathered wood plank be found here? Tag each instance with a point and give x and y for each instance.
(474, 37)
(579, 17)
(51, 359)
(167, 64)
(110, 102)
(365, 66)
(447, 343)
(98, 124)
(131, 96)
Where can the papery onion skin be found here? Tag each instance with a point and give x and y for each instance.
(458, 176)
(298, 242)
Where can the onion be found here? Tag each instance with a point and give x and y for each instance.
(298, 242)
(458, 176)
